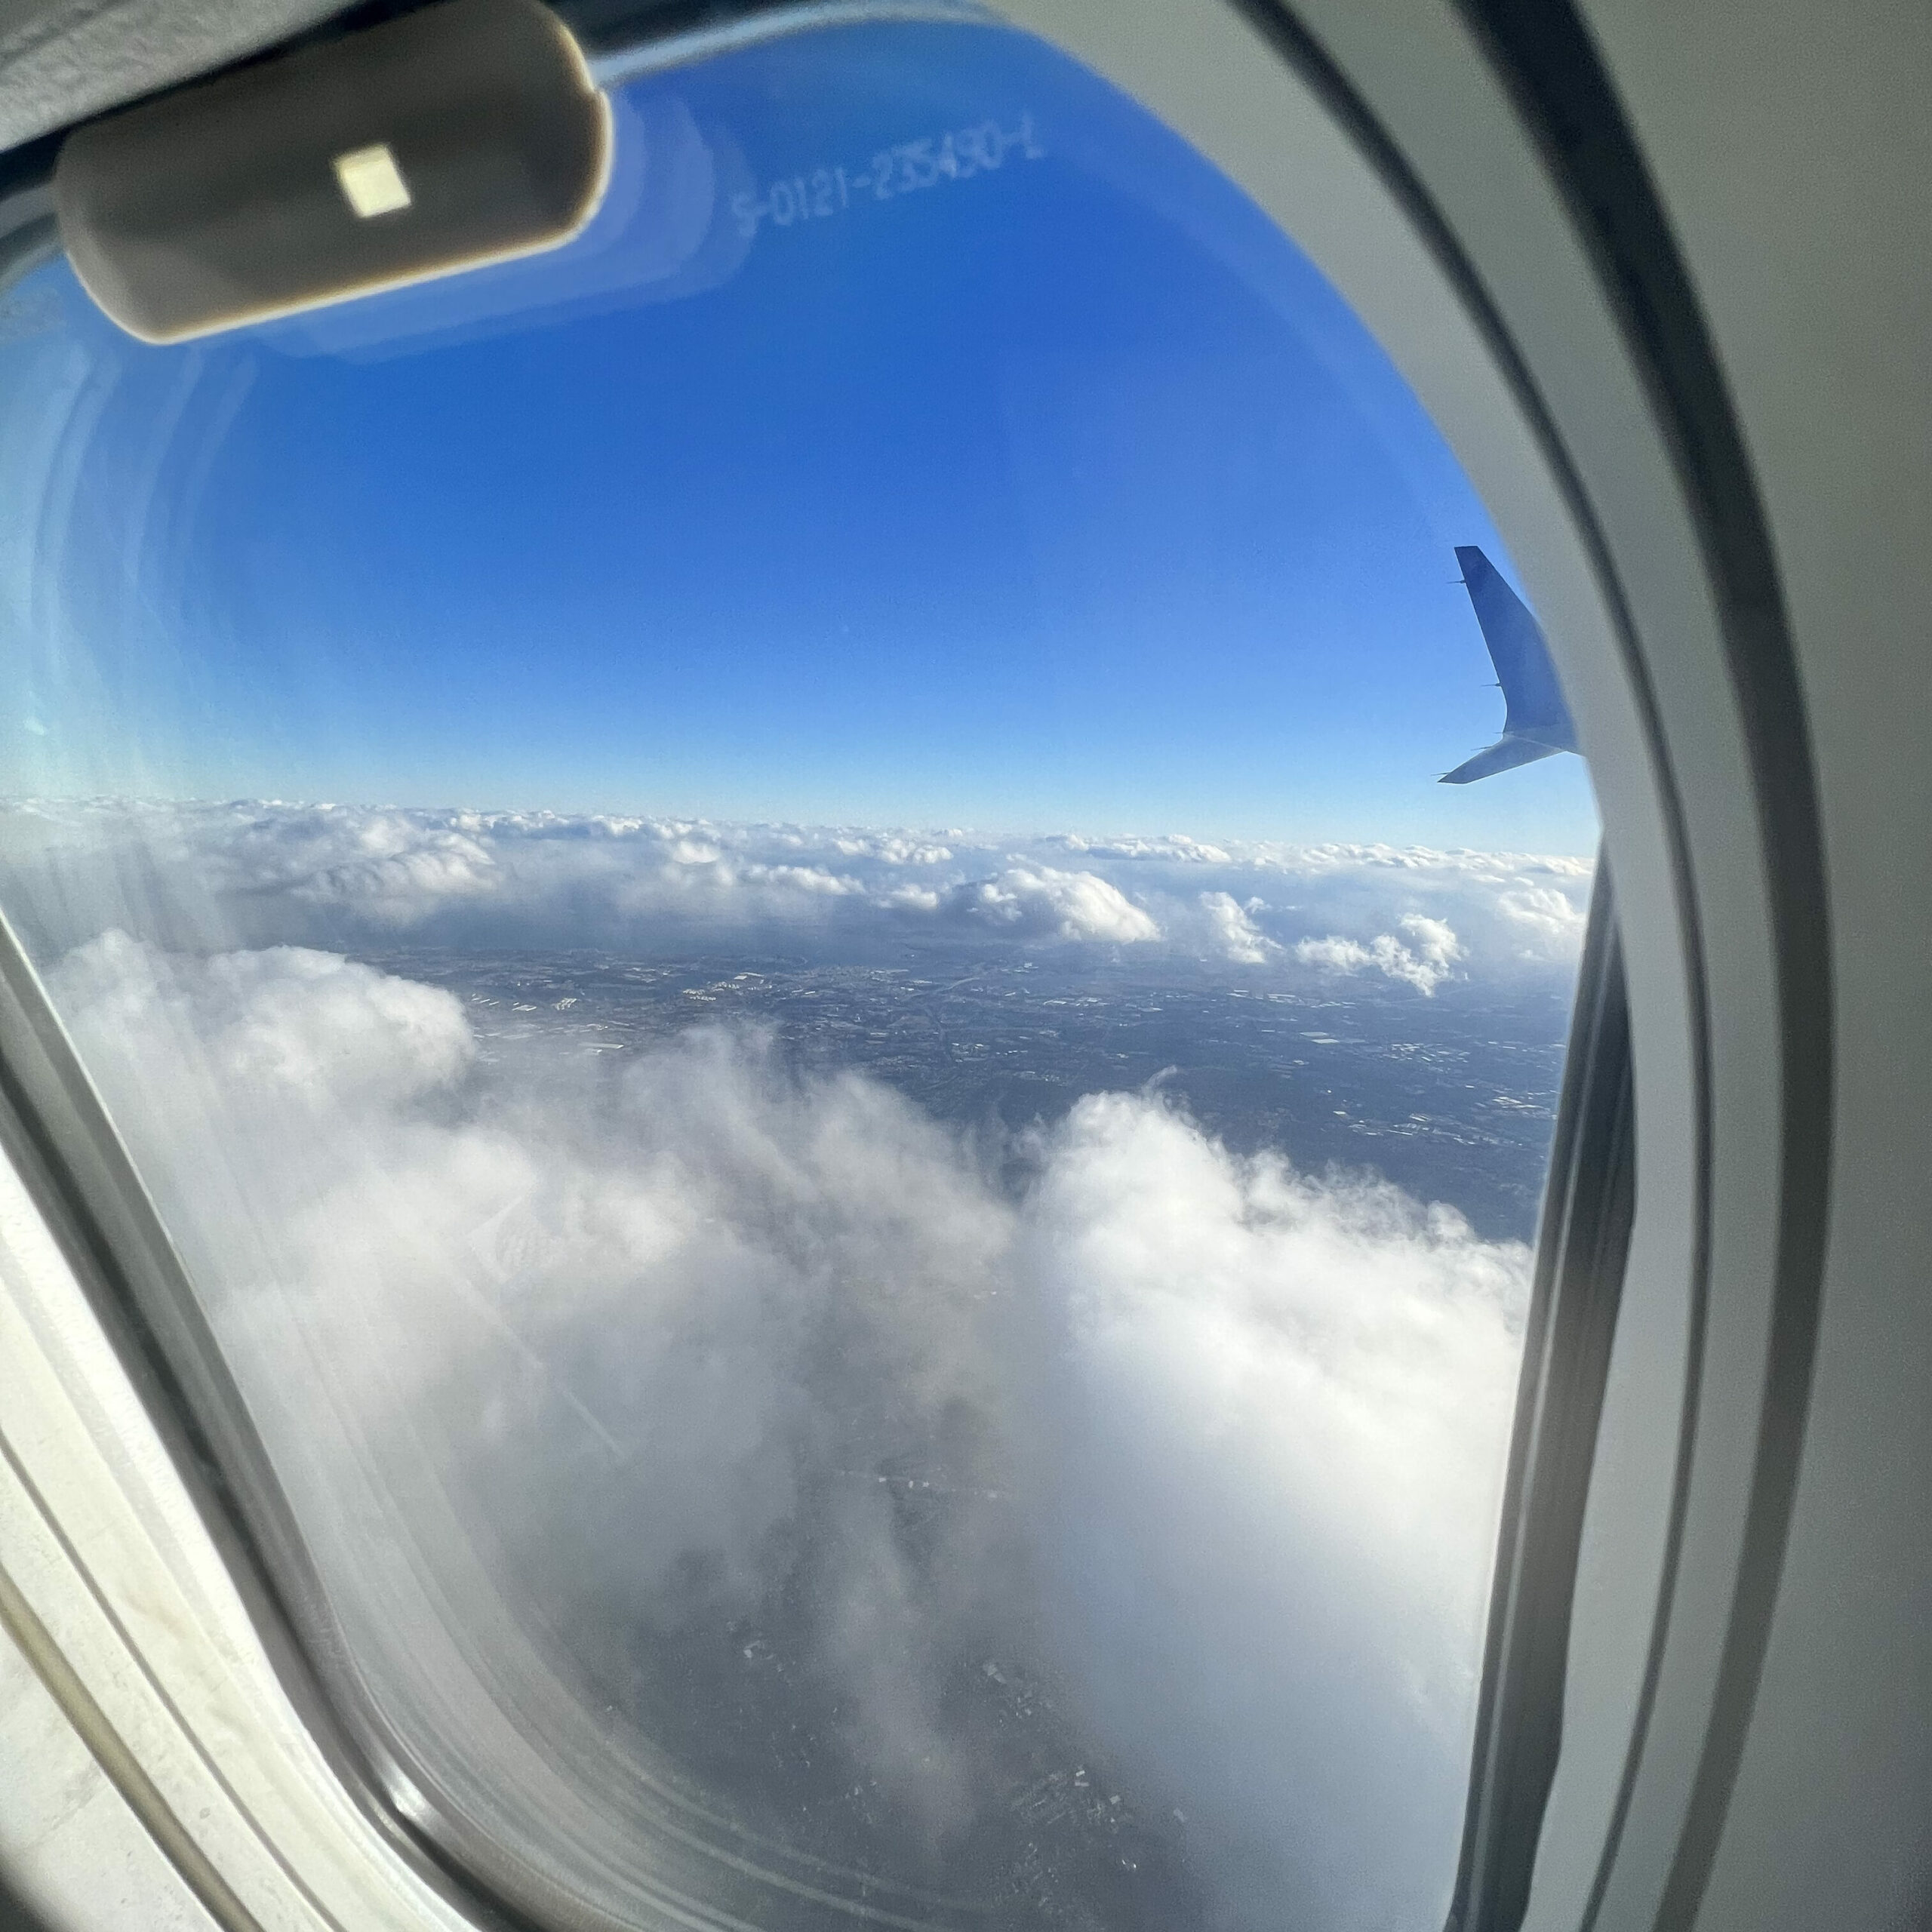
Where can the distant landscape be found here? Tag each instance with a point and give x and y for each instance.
(983, 1364)
(1452, 1098)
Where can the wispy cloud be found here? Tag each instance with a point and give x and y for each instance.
(1222, 1440)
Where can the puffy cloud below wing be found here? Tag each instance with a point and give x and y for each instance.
(664, 1332)
(1283, 1412)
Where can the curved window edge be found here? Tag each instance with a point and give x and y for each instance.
(124, 1531)
(55, 1131)
(1546, 57)
(1589, 1207)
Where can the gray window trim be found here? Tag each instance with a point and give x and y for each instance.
(52, 1125)
(1589, 1204)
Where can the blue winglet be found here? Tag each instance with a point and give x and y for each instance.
(1536, 722)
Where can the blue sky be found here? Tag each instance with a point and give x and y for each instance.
(1064, 496)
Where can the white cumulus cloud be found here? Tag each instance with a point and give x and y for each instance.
(1042, 901)
(1281, 1428)
(1224, 1440)
(1236, 936)
(1550, 921)
(1424, 959)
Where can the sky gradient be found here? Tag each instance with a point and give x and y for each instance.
(1060, 495)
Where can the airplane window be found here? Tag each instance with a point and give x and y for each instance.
(767, 901)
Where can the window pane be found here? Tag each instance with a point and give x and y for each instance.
(768, 901)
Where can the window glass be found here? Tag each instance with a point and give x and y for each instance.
(768, 901)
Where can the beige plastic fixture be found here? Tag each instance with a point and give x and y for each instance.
(468, 133)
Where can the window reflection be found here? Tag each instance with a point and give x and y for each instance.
(857, 1325)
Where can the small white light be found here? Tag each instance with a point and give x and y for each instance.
(371, 182)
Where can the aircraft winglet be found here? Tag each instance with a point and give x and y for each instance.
(1536, 722)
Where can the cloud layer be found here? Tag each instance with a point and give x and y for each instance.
(349, 877)
(1218, 1444)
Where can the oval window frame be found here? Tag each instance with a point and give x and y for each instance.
(1462, 175)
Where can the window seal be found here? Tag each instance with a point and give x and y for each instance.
(1546, 58)
(53, 1126)
(1589, 1208)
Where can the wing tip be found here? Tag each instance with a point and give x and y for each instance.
(1508, 753)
